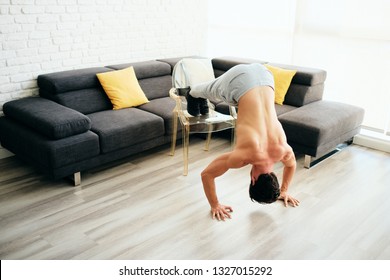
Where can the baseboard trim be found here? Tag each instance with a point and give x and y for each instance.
(375, 143)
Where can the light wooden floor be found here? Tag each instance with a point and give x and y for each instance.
(143, 208)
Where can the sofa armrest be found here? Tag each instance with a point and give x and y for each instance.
(47, 117)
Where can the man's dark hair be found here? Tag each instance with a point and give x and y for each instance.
(266, 188)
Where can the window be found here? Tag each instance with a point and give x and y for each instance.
(350, 39)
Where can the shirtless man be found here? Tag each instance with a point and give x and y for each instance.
(260, 139)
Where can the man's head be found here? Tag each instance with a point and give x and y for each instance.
(265, 189)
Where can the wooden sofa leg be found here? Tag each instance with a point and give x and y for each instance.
(76, 179)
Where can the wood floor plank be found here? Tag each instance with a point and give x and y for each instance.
(143, 208)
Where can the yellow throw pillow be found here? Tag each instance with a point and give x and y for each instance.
(282, 78)
(122, 88)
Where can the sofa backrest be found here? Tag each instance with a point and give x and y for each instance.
(154, 77)
(306, 86)
(81, 90)
(77, 89)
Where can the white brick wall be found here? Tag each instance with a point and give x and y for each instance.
(43, 36)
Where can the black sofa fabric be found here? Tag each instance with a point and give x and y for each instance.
(77, 89)
(71, 127)
(49, 118)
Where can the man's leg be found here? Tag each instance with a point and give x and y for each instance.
(203, 106)
(195, 106)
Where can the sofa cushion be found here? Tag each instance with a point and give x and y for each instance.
(162, 107)
(122, 87)
(146, 69)
(321, 122)
(58, 82)
(122, 128)
(154, 77)
(77, 89)
(156, 87)
(49, 118)
(299, 95)
(85, 101)
(282, 109)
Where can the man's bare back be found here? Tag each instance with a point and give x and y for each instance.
(260, 135)
(261, 142)
(260, 139)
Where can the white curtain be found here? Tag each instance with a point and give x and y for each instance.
(350, 39)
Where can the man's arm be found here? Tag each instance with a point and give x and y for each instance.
(215, 169)
(288, 173)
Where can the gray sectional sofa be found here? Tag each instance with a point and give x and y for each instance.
(71, 126)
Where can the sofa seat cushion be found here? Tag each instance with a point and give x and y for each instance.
(321, 122)
(118, 129)
(162, 107)
(49, 118)
(282, 109)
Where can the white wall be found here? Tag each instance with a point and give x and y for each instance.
(259, 29)
(42, 36)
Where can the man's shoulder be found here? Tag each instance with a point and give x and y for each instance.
(280, 152)
(289, 156)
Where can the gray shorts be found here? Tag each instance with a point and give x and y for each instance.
(234, 83)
